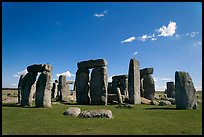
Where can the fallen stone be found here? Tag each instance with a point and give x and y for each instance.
(101, 113)
(164, 103)
(73, 111)
(145, 101)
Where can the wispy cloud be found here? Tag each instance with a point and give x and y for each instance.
(135, 53)
(197, 44)
(192, 34)
(102, 14)
(24, 72)
(131, 39)
(67, 74)
(170, 30)
(146, 37)
(166, 79)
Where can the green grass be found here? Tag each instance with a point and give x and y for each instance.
(142, 119)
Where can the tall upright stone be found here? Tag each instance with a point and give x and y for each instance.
(54, 89)
(134, 82)
(170, 91)
(120, 81)
(63, 88)
(185, 96)
(27, 81)
(149, 87)
(99, 86)
(19, 88)
(82, 86)
(43, 90)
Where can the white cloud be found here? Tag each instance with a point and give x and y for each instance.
(98, 15)
(110, 79)
(155, 79)
(14, 84)
(146, 37)
(135, 53)
(67, 74)
(197, 44)
(128, 40)
(170, 30)
(192, 34)
(24, 72)
(166, 79)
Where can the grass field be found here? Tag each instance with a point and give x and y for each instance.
(140, 120)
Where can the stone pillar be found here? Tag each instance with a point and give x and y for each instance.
(54, 89)
(98, 86)
(170, 89)
(110, 90)
(63, 88)
(19, 88)
(120, 101)
(185, 96)
(149, 87)
(27, 82)
(43, 90)
(134, 82)
(82, 86)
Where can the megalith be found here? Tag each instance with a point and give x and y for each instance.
(19, 88)
(43, 90)
(120, 81)
(147, 86)
(185, 96)
(134, 82)
(82, 86)
(54, 89)
(170, 91)
(63, 88)
(98, 86)
(26, 85)
(92, 90)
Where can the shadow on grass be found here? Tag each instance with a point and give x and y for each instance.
(161, 108)
(16, 105)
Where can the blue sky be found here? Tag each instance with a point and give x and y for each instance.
(164, 35)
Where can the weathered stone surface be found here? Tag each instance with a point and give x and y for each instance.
(119, 96)
(110, 88)
(101, 113)
(27, 95)
(172, 100)
(141, 88)
(146, 71)
(149, 87)
(120, 81)
(39, 68)
(54, 89)
(134, 82)
(184, 91)
(124, 106)
(145, 101)
(99, 86)
(170, 89)
(63, 88)
(82, 86)
(92, 63)
(19, 88)
(154, 102)
(112, 98)
(43, 90)
(73, 111)
(164, 103)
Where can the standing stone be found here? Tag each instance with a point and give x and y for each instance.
(43, 90)
(149, 87)
(54, 89)
(170, 89)
(63, 88)
(120, 81)
(110, 89)
(98, 86)
(27, 81)
(185, 96)
(19, 88)
(82, 86)
(120, 101)
(141, 87)
(134, 82)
